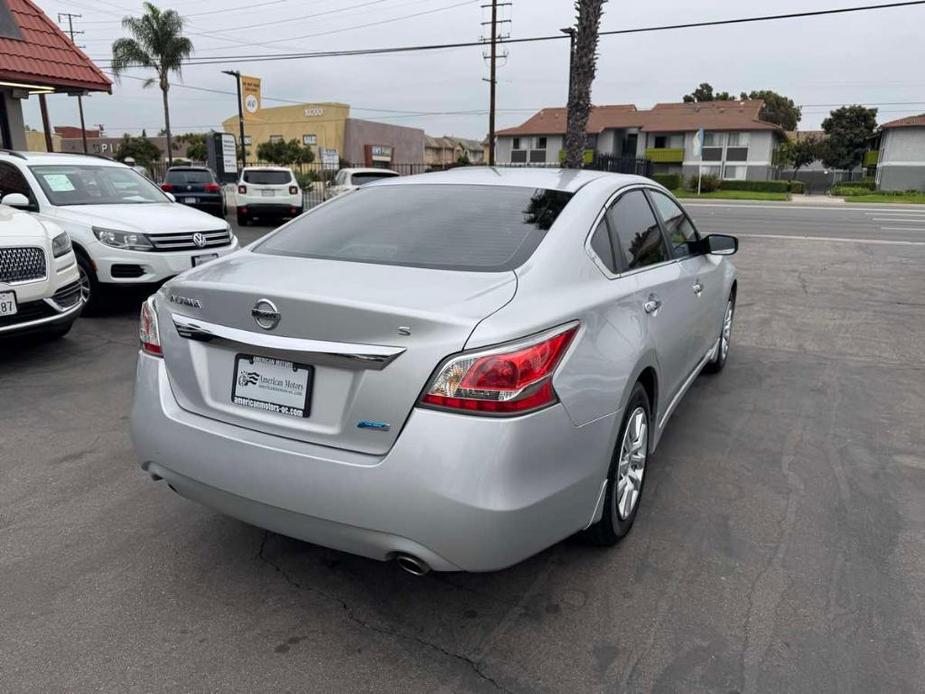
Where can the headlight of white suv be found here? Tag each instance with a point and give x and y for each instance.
(61, 245)
(126, 240)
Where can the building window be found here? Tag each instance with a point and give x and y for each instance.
(734, 173)
(661, 141)
(309, 140)
(711, 170)
(540, 143)
(276, 138)
(519, 156)
(516, 144)
(538, 156)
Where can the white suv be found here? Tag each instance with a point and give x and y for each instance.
(351, 179)
(39, 287)
(125, 230)
(267, 193)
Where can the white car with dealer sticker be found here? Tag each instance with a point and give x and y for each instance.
(125, 230)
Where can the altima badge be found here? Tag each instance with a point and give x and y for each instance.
(265, 314)
(184, 301)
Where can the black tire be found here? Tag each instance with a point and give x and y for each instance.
(243, 221)
(722, 354)
(613, 525)
(89, 285)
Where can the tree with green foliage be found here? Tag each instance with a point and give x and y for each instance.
(158, 43)
(196, 148)
(848, 130)
(141, 149)
(777, 108)
(583, 69)
(283, 153)
(798, 153)
(705, 93)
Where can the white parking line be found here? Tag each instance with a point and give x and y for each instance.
(902, 228)
(847, 207)
(794, 237)
(898, 219)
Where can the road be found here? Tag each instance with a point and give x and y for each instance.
(779, 546)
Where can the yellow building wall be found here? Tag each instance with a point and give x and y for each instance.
(35, 141)
(325, 121)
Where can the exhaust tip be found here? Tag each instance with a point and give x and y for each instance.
(412, 565)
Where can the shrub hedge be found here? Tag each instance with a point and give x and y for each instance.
(670, 181)
(708, 183)
(797, 187)
(758, 186)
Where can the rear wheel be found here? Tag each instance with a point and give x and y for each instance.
(725, 338)
(243, 221)
(626, 476)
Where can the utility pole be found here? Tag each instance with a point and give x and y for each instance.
(492, 69)
(237, 75)
(80, 103)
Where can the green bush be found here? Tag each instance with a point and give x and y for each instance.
(758, 186)
(797, 187)
(670, 181)
(708, 183)
(867, 183)
(847, 190)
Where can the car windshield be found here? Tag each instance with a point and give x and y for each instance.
(188, 176)
(450, 227)
(267, 177)
(76, 184)
(359, 179)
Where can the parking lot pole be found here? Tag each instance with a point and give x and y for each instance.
(237, 75)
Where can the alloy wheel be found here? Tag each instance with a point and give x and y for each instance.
(85, 286)
(632, 465)
(727, 331)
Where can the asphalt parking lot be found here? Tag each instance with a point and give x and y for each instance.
(780, 545)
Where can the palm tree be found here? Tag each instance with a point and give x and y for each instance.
(583, 66)
(157, 43)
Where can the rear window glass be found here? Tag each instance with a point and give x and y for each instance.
(188, 176)
(267, 177)
(359, 179)
(450, 227)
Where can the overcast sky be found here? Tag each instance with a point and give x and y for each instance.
(873, 58)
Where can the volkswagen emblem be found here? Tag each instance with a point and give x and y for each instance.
(265, 314)
(199, 239)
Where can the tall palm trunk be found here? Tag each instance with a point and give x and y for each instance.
(584, 66)
(165, 87)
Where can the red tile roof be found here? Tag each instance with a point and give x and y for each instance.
(44, 54)
(907, 122)
(711, 115)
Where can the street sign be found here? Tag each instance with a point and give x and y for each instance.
(229, 153)
(329, 159)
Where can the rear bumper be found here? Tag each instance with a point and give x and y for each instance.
(459, 492)
(275, 209)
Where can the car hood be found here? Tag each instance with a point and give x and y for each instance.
(148, 218)
(18, 227)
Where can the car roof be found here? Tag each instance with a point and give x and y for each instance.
(59, 158)
(568, 180)
(267, 168)
(185, 167)
(369, 170)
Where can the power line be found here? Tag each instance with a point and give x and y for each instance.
(533, 39)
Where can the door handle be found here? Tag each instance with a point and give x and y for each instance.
(652, 305)
(697, 287)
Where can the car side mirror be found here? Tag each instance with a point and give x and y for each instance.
(16, 200)
(720, 244)
(170, 196)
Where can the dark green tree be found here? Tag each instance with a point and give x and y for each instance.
(158, 43)
(848, 130)
(196, 148)
(777, 108)
(283, 153)
(584, 67)
(141, 149)
(799, 153)
(705, 93)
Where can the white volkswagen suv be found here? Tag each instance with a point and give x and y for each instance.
(125, 230)
(39, 289)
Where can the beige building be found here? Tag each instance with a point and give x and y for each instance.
(442, 151)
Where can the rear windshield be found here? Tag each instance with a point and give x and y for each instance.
(188, 176)
(267, 177)
(359, 179)
(449, 227)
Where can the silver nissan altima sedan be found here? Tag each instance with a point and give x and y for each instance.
(454, 370)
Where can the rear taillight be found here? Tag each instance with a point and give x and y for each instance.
(167, 187)
(293, 190)
(147, 331)
(212, 187)
(509, 379)
(242, 190)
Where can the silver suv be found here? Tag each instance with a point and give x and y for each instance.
(454, 370)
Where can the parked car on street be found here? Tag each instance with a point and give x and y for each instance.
(125, 230)
(267, 193)
(351, 179)
(197, 187)
(39, 285)
(455, 370)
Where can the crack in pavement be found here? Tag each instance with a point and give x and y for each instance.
(473, 664)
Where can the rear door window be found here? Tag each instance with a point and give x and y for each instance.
(267, 177)
(638, 235)
(359, 179)
(602, 246)
(452, 227)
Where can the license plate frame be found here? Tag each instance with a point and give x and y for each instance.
(273, 371)
(190, 201)
(198, 260)
(267, 193)
(8, 305)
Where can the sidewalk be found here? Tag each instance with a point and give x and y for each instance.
(816, 200)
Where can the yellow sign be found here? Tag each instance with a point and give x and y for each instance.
(250, 95)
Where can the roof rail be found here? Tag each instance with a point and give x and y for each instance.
(13, 153)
